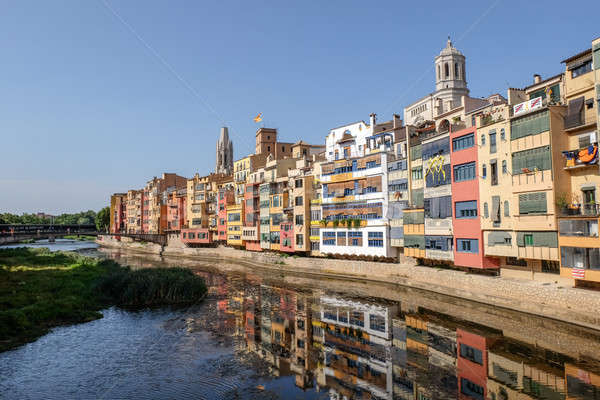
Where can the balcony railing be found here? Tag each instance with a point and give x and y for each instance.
(588, 209)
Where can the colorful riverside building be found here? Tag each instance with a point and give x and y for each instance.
(176, 210)
(118, 213)
(134, 210)
(355, 197)
(157, 205)
(579, 208)
(201, 208)
(225, 199)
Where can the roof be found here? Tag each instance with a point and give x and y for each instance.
(346, 138)
(346, 125)
(576, 56)
(450, 49)
(559, 75)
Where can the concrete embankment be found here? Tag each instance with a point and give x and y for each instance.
(547, 299)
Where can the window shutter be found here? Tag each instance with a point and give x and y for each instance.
(574, 112)
(496, 208)
(521, 239)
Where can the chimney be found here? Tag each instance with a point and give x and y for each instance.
(397, 122)
(537, 78)
(373, 120)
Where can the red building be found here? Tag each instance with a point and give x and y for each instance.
(286, 237)
(196, 236)
(118, 213)
(224, 198)
(176, 210)
(466, 219)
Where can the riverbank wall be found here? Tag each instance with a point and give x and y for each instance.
(551, 299)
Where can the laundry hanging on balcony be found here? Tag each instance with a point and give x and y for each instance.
(589, 155)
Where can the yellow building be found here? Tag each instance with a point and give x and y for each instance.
(577, 197)
(235, 221)
(242, 169)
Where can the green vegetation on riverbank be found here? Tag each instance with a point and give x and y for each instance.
(40, 289)
(81, 237)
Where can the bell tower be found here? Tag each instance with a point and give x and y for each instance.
(450, 70)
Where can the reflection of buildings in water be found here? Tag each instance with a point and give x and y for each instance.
(517, 371)
(357, 348)
(430, 358)
(583, 380)
(357, 341)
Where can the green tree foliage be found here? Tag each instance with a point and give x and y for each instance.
(83, 218)
(103, 219)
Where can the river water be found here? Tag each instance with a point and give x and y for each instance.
(260, 334)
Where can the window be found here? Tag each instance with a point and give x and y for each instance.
(299, 219)
(314, 231)
(314, 246)
(377, 323)
(494, 172)
(528, 239)
(298, 183)
(486, 213)
(506, 209)
(455, 70)
(464, 172)
(502, 134)
(531, 160)
(417, 173)
(482, 139)
(299, 200)
(530, 125)
(234, 217)
(504, 167)
(466, 209)
(533, 203)
(581, 68)
(467, 245)
(355, 238)
(315, 215)
(438, 207)
(375, 239)
(483, 171)
(471, 354)
(268, 148)
(492, 141)
(471, 389)
(463, 142)
(357, 318)
(341, 238)
(299, 240)
(197, 221)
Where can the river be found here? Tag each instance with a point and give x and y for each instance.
(266, 335)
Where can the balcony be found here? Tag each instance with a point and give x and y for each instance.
(582, 210)
(581, 158)
(578, 227)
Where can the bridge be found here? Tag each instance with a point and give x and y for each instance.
(14, 233)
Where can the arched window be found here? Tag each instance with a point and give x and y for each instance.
(483, 171)
(446, 70)
(506, 210)
(464, 75)
(502, 134)
(486, 213)
(439, 72)
(483, 140)
(456, 75)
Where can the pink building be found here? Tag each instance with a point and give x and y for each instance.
(176, 210)
(466, 219)
(224, 198)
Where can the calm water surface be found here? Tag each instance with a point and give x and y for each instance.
(264, 335)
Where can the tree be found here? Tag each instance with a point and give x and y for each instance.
(103, 219)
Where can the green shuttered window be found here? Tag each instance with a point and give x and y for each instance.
(530, 125)
(414, 241)
(537, 239)
(414, 218)
(533, 203)
(539, 158)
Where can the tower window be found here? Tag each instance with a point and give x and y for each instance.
(439, 72)
(446, 70)
(456, 71)
(268, 148)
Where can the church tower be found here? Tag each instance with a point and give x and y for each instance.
(450, 78)
(224, 159)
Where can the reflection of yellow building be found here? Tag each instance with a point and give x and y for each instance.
(579, 173)
(235, 221)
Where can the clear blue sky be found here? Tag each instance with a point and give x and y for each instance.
(88, 110)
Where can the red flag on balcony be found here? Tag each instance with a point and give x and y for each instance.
(578, 273)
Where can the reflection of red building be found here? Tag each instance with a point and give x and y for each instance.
(472, 364)
(581, 382)
(468, 242)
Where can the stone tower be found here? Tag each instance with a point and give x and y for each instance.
(450, 76)
(224, 159)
